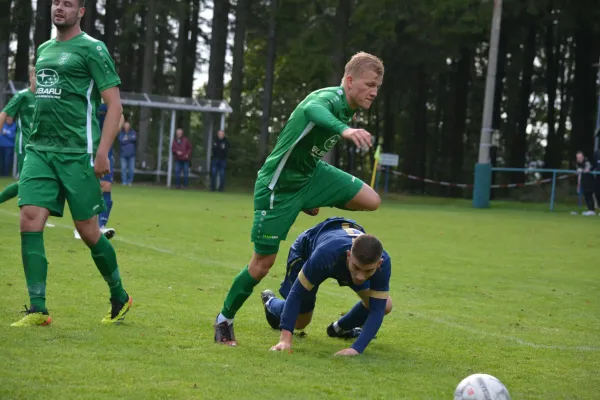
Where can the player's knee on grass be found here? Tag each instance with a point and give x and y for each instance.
(89, 231)
(260, 265)
(106, 186)
(303, 320)
(33, 218)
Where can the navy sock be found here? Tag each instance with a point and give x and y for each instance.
(356, 317)
(276, 307)
(103, 217)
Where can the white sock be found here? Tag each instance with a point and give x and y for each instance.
(268, 302)
(336, 327)
(222, 318)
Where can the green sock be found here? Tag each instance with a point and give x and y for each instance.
(241, 289)
(106, 260)
(9, 192)
(35, 266)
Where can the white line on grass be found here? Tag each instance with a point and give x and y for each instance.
(143, 245)
(423, 316)
(501, 336)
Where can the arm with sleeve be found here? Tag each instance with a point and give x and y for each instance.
(380, 286)
(313, 273)
(319, 111)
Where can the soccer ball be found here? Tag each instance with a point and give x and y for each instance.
(481, 387)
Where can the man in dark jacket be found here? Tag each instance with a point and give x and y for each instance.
(219, 161)
(182, 150)
(127, 139)
(585, 182)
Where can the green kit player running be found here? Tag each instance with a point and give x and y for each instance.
(294, 178)
(74, 72)
(21, 108)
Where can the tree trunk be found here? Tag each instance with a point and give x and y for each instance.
(126, 54)
(182, 45)
(268, 92)
(552, 155)
(500, 75)
(389, 113)
(584, 91)
(147, 80)
(342, 19)
(43, 23)
(433, 154)
(159, 74)
(460, 105)
(191, 51)
(518, 151)
(23, 14)
(566, 98)
(4, 40)
(89, 19)
(110, 25)
(216, 68)
(237, 72)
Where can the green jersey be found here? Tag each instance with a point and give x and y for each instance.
(312, 130)
(21, 108)
(70, 76)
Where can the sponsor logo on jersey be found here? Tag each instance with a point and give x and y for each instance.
(47, 78)
(331, 142)
(317, 152)
(63, 58)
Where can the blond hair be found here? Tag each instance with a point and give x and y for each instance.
(361, 62)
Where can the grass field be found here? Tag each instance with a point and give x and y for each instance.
(512, 293)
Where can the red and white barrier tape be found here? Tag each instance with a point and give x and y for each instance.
(469, 186)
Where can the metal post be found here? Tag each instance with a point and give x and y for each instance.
(483, 172)
(222, 122)
(387, 179)
(553, 194)
(161, 133)
(171, 138)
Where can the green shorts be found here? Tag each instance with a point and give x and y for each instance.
(49, 178)
(276, 210)
(20, 159)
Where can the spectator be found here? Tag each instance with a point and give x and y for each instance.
(7, 146)
(182, 150)
(585, 182)
(219, 161)
(127, 139)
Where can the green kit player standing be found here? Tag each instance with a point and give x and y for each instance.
(21, 108)
(294, 178)
(65, 155)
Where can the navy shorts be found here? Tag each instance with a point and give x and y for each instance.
(295, 262)
(109, 177)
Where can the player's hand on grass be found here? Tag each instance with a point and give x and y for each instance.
(282, 346)
(360, 137)
(101, 165)
(347, 352)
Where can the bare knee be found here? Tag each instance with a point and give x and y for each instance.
(89, 231)
(33, 218)
(372, 201)
(303, 320)
(260, 265)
